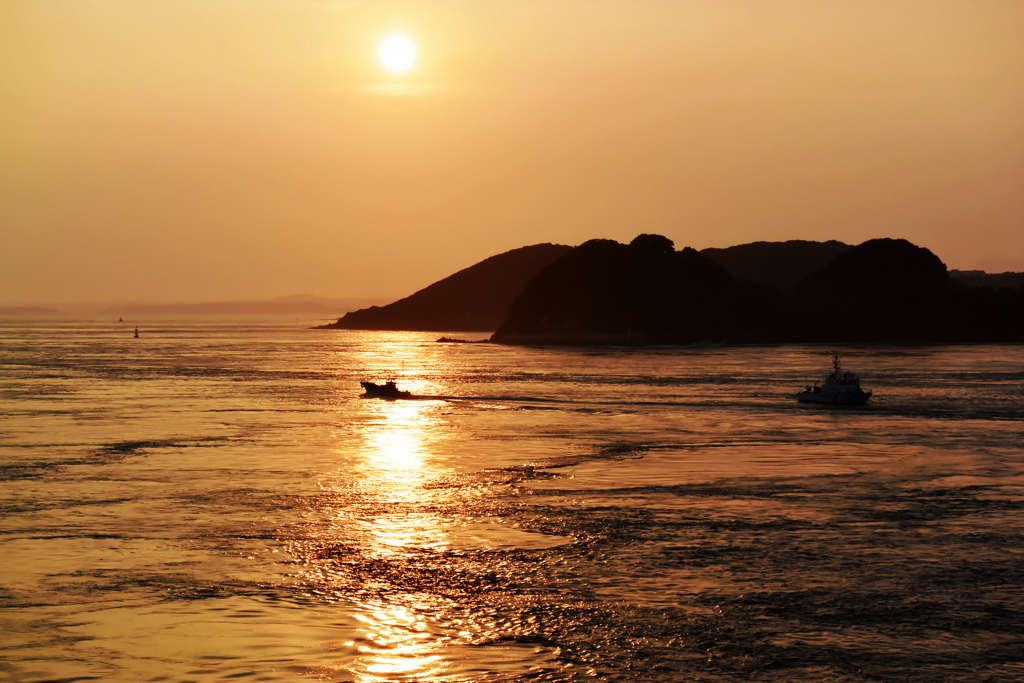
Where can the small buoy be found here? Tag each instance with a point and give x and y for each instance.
(136, 333)
(120, 320)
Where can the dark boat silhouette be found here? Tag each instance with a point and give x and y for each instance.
(386, 390)
(839, 388)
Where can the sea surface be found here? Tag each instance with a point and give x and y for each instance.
(218, 502)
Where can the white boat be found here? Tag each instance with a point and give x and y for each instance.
(840, 387)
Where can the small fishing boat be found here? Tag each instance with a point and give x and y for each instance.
(386, 390)
(840, 387)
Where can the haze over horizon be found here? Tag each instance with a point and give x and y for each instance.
(218, 150)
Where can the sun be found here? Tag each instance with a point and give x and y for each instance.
(397, 53)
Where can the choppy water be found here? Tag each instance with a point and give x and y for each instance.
(216, 503)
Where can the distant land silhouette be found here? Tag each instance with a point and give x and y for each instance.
(776, 264)
(884, 290)
(304, 306)
(283, 306)
(979, 278)
(881, 291)
(784, 264)
(475, 299)
(647, 292)
(28, 312)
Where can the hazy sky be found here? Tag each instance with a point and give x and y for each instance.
(200, 150)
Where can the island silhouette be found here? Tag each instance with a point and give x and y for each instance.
(475, 299)
(647, 292)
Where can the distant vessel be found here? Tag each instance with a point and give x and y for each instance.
(386, 390)
(840, 387)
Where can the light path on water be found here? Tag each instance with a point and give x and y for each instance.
(217, 501)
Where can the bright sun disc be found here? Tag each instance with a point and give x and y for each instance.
(397, 53)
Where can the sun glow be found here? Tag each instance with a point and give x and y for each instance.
(397, 53)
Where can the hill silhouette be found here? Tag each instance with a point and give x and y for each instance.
(603, 292)
(881, 291)
(776, 264)
(990, 312)
(475, 299)
(642, 293)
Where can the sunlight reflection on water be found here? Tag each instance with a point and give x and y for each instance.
(217, 503)
(397, 644)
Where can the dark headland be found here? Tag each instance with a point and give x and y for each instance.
(475, 299)
(602, 292)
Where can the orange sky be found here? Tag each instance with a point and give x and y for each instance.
(201, 150)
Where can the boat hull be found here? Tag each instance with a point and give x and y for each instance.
(384, 390)
(834, 398)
